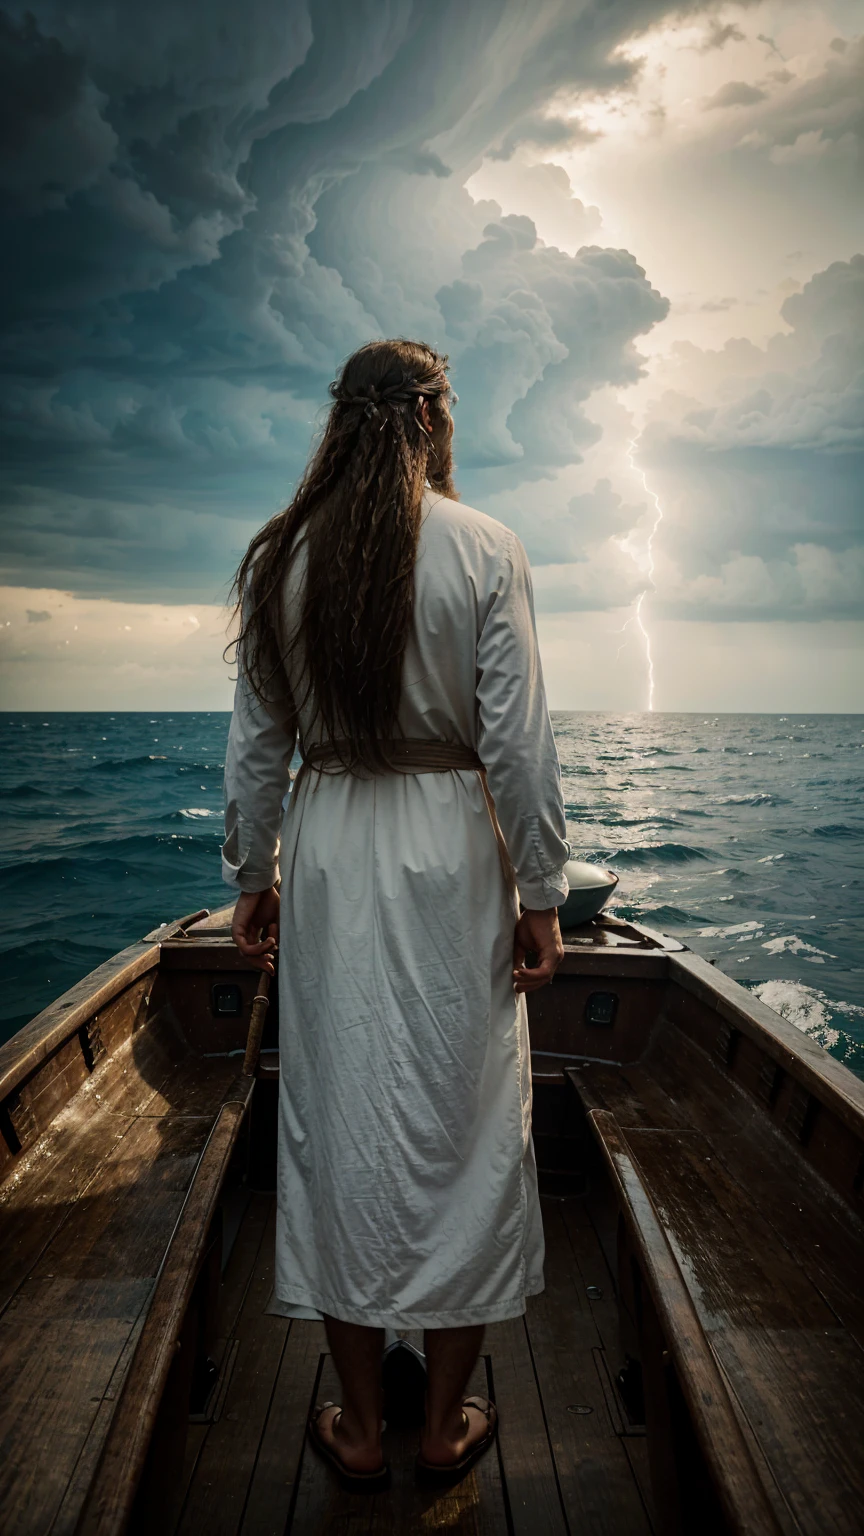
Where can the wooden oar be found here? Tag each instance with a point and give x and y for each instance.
(260, 1004)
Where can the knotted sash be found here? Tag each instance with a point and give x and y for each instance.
(413, 755)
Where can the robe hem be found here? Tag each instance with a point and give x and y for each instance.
(310, 1302)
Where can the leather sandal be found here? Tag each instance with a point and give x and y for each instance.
(436, 1475)
(352, 1482)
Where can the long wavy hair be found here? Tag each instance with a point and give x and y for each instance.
(358, 505)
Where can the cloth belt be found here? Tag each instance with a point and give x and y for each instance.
(416, 755)
(408, 756)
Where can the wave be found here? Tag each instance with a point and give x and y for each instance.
(757, 797)
(815, 1014)
(837, 829)
(665, 768)
(654, 917)
(648, 854)
(139, 855)
(753, 928)
(60, 795)
(25, 792)
(115, 764)
(648, 822)
(790, 944)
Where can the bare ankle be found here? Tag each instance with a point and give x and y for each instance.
(357, 1433)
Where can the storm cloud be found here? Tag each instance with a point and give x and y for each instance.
(203, 215)
(200, 222)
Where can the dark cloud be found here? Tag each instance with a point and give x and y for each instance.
(818, 118)
(540, 132)
(201, 219)
(736, 93)
(769, 44)
(719, 34)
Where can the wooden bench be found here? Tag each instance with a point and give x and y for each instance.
(110, 1250)
(748, 1336)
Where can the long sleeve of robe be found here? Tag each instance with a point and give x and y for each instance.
(407, 1192)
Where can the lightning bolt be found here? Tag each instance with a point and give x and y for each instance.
(649, 549)
(624, 627)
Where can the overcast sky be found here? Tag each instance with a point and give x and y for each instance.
(636, 230)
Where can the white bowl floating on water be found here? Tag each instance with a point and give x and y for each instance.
(590, 889)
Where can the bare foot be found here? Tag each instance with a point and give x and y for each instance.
(357, 1453)
(446, 1449)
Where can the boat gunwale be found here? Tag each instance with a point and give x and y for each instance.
(809, 1063)
(50, 1029)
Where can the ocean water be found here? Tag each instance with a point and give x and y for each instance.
(743, 835)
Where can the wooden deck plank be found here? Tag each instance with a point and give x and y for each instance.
(257, 1222)
(598, 1489)
(195, 1439)
(282, 1445)
(58, 1361)
(591, 1262)
(526, 1456)
(219, 1488)
(85, 1467)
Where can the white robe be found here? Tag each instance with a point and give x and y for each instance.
(407, 1189)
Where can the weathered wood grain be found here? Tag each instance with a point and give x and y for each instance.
(282, 1444)
(217, 1495)
(797, 1374)
(739, 1489)
(526, 1457)
(111, 1496)
(597, 1486)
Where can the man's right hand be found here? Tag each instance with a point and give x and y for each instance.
(536, 932)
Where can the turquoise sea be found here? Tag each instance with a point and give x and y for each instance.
(743, 835)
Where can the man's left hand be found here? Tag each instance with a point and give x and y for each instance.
(255, 927)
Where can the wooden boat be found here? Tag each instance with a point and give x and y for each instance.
(695, 1363)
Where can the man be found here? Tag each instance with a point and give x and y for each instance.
(392, 628)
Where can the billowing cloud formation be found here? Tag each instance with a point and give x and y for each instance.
(552, 325)
(200, 222)
(758, 454)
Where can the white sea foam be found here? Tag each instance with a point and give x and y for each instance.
(727, 933)
(790, 944)
(194, 812)
(807, 1008)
